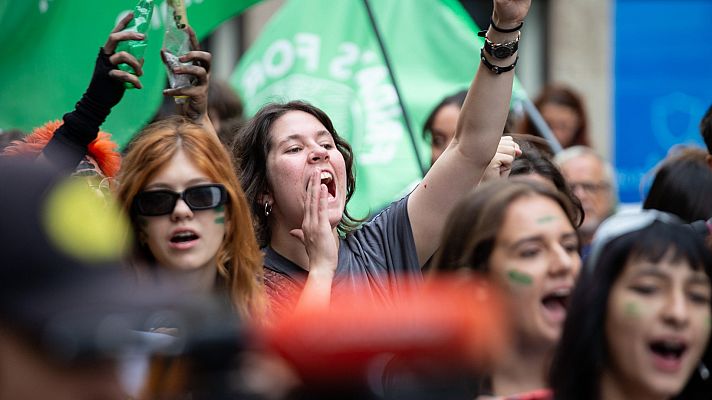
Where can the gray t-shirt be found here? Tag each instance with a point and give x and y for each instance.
(377, 262)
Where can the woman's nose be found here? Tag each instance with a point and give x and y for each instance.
(319, 154)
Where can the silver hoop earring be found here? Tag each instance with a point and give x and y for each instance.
(704, 372)
(268, 208)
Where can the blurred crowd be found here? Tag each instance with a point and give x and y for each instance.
(215, 257)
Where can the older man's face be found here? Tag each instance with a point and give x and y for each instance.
(587, 179)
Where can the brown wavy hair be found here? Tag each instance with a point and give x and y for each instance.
(250, 149)
(472, 227)
(239, 258)
(563, 96)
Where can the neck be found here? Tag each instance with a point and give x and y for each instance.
(292, 248)
(521, 370)
(613, 389)
(586, 235)
(197, 281)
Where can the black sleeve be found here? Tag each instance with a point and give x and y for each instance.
(81, 126)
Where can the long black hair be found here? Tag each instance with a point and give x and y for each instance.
(683, 186)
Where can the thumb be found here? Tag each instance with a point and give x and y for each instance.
(297, 233)
(517, 149)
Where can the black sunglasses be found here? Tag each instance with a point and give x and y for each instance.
(153, 203)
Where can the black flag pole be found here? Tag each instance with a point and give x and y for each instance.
(389, 67)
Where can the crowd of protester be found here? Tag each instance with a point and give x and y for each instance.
(216, 258)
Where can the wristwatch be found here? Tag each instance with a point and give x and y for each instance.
(500, 50)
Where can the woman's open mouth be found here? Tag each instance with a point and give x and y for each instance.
(667, 354)
(556, 303)
(183, 240)
(327, 179)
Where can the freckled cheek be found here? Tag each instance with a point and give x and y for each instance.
(341, 173)
(285, 176)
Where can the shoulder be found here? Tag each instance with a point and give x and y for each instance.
(281, 292)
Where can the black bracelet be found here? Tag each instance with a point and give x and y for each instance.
(498, 29)
(496, 68)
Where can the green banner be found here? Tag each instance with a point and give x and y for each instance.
(325, 52)
(49, 48)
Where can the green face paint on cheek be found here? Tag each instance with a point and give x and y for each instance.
(631, 310)
(545, 219)
(220, 219)
(519, 278)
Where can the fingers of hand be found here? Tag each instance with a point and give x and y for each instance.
(309, 209)
(124, 76)
(507, 145)
(199, 72)
(194, 44)
(297, 233)
(506, 160)
(124, 21)
(123, 57)
(126, 35)
(314, 187)
(199, 58)
(197, 95)
(116, 37)
(323, 202)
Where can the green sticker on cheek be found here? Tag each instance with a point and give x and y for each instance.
(631, 310)
(519, 278)
(220, 219)
(545, 219)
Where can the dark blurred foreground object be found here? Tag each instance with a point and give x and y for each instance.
(69, 314)
(458, 326)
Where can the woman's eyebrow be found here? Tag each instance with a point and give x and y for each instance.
(164, 185)
(322, 133)
(289, 138)
(650, 270)
(699, 278)
(533, 239)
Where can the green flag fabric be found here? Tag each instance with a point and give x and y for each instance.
(49, 48)
(326, 52)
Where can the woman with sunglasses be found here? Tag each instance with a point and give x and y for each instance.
(639, 319)
(298, 176)
(188, 211)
